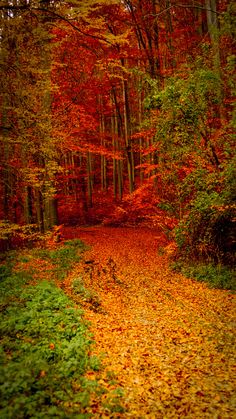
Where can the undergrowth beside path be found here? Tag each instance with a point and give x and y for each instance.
(45, 342)
(164, 344)
(167, 341)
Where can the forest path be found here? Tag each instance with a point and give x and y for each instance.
(169, 340)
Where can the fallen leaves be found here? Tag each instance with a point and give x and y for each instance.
(168, 340)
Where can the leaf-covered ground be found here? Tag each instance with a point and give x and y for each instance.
(168, 341)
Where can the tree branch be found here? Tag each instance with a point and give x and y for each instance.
(185, 6)
(57, 16)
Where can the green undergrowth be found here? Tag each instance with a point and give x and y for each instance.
(44, 342)
(87, 295)
(64, 257)
(216, 276)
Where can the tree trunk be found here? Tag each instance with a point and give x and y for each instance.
(129, 152)
(89, 181)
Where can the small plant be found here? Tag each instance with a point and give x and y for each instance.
(85, 294)
(64, 257)
(216, 276)
(45, 343)
(113, 404)
(75, 243)
(44, 352)
(5, 271)
(161, 251)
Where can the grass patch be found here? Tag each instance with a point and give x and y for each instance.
(217, 276)
(44, 351)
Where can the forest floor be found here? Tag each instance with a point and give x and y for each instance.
(167, 342)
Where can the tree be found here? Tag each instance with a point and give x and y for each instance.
(108, 103)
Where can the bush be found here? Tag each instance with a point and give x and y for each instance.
(85, 294)
(64, 257)
(217, 276)
(13, 235)
(208, 232)
(196, 162)
(44, 352)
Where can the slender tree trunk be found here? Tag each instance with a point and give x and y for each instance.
(50, 201)
(28, 205)
(213, 29)
(89, 181)
(118, 132)
(39, 210)
(103, 158)
(171, 62)
(6, 168)
(119, 163)
(129, 153)
(114, 146)
(6, 52)
(140, 117)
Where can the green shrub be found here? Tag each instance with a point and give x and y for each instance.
(207, 233)
(75, 243)
(64, 257)
(5, 271)
(196, 173)
(44, 341)
(44, 352)
(217, 276)
(85, 294)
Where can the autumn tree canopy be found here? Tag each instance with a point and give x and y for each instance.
(120, 112)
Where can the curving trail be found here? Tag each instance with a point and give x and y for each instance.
(169, 341)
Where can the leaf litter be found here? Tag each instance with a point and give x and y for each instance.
(167, 342)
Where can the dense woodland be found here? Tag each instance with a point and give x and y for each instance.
(117, 172)
(120, 112)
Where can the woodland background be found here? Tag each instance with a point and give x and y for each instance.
(121, 113)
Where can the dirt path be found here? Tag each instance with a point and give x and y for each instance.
(169, 341)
